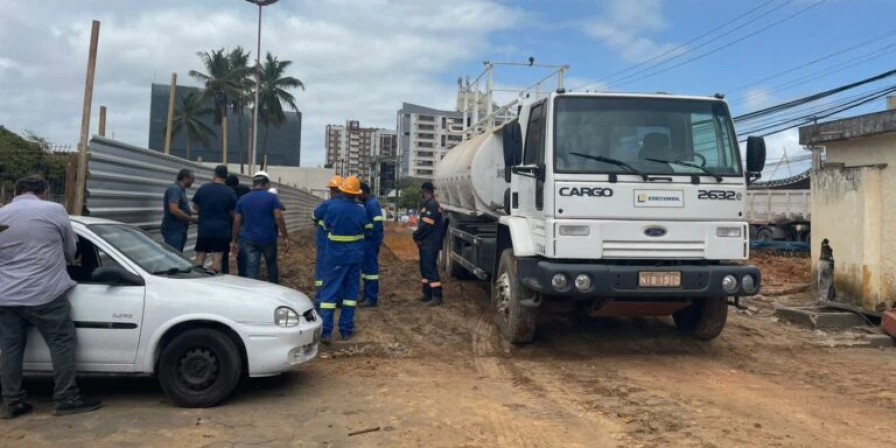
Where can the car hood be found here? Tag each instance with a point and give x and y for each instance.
(241, 299)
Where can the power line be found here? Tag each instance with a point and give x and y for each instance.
(683, 45)
(757, 121)
(717, 49)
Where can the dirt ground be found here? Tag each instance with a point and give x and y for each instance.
(443, 378)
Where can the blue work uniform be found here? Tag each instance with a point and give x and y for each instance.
(345, 220)
(370, 267)
(320, 241)
(428, 237)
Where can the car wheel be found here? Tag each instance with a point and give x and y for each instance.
(200, 368)
(704, 318)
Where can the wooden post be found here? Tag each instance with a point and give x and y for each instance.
(71, 183)
(102, 121)
(81, 186)
(170, 113)
(224, 145)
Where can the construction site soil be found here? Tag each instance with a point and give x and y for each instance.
(416, 376)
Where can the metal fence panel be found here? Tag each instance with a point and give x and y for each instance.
(126, 183)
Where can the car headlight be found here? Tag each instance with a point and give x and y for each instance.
(286, 317)
(729, 232)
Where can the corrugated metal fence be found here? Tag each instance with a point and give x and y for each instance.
(126, 184)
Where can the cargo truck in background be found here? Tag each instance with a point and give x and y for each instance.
(602, 203)
(783, 215)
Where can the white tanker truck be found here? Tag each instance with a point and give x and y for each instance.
(606, 204)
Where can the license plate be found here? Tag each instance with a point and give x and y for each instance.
(317, 336)
(659, 279)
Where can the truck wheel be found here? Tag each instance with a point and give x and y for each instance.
(516, 321)
(704, 318)
(765, 234)
(449, 266)
(200, 368)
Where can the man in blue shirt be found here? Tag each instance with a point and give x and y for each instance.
(177, 214)
(215, 203)
(255, 217)
(370, 267)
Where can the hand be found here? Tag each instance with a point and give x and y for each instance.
(194, 219)
(286, 245)
(234, 247)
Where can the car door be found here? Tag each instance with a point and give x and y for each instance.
(107, 317)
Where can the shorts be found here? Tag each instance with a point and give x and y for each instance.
(213, 245)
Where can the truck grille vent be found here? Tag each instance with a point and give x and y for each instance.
(654, 250)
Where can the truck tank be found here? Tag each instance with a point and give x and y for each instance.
(471, 176)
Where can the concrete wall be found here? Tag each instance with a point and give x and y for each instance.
(854, 207)
(311, 179)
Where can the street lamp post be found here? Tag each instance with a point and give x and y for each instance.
(260, 3)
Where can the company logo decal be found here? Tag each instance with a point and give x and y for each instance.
(659, 198)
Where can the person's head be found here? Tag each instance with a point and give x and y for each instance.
(34, 185)
(365, 191)
(351, 187)
(221, 172)
(427, 190)
(334, 184)
(186, 178)
(261, 181)
(232, 181)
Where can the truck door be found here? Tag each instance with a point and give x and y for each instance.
(530, 178)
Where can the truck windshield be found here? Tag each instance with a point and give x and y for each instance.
(650, 135)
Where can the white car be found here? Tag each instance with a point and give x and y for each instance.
(141, 308)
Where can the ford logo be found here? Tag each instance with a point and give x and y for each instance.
(655, 232)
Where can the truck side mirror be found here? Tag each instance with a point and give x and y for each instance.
(755, 156)
(512, 138)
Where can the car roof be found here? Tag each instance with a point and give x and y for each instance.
(87, 220)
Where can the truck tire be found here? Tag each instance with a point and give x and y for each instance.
(200, 368)
(516, 321)
(704, 319)
(449, 266)
(765, 234)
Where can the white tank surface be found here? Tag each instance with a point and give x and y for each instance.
(471, 176)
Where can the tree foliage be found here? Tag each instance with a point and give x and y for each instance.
(24, 156)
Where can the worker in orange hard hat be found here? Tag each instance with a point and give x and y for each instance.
(320, 237)
(345, 220)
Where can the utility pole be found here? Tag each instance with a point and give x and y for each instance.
(168, 130)
(102, 121)
(81, 187)
(224, 144)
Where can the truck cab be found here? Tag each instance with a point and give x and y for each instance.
(613, 205)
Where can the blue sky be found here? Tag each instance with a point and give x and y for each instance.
(362, 59)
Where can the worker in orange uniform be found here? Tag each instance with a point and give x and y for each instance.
(428, 237)
(346, 222)
(320, 238)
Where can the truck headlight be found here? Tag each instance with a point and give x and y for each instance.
(567, 230)
(729, 232)
(748, 283)
(729, 284)
(286, 317)
(583, 282)
(560, 282)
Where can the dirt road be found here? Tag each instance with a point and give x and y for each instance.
(443, 378)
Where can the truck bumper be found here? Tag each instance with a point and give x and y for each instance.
(612, 281)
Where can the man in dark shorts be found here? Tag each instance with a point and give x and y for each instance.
(215, 203)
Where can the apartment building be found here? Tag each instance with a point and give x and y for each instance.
(350, 148)
(424, 137)
(385, 157)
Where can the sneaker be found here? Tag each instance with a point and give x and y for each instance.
(77, 406)
(367, 304)
(19, 409)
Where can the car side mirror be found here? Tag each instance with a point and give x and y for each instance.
(512, 138)
(755, 156)
(116, 276)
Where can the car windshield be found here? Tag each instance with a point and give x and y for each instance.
(652, 135)
(140, 248)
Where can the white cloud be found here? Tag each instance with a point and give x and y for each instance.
(757, 98)
(357, 59)
(624, 27)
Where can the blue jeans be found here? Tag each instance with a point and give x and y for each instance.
(175, 238)
(254, 251)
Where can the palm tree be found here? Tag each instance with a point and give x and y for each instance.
(191, 116)
(273, 94)
(238, 61)
(221, 83)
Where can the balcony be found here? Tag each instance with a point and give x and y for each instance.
(425, 144)
(426, 118)
(426, 127)
(424, 154)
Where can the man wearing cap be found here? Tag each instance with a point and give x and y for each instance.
(345, 220)
(256, 215)
(428, 237)
(320, 238)
(370, 268)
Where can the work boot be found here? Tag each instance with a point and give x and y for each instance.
(326, 339)
(367, 304)
(78, 405)
(11, 411)
(346, 337)
(436, 301)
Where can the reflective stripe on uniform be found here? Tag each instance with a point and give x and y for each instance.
(349, 303)
(318, 283)
(370, 277)
(429, 221)
(368, 226)
(436, 284)
(328, 306)
(378, 218)
(345, 238)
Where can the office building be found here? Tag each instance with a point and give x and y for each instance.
(424, 137)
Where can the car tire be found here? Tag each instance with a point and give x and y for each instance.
(704, 318)
(517, 322)
(200, 368)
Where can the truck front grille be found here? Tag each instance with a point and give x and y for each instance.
(654, 250)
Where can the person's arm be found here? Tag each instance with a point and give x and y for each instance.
(235, 232)
(172, 198)
(69, 238)
(426, 224)
(281, 224)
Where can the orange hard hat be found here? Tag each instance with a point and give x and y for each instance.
(335, 182)
(351, 185)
